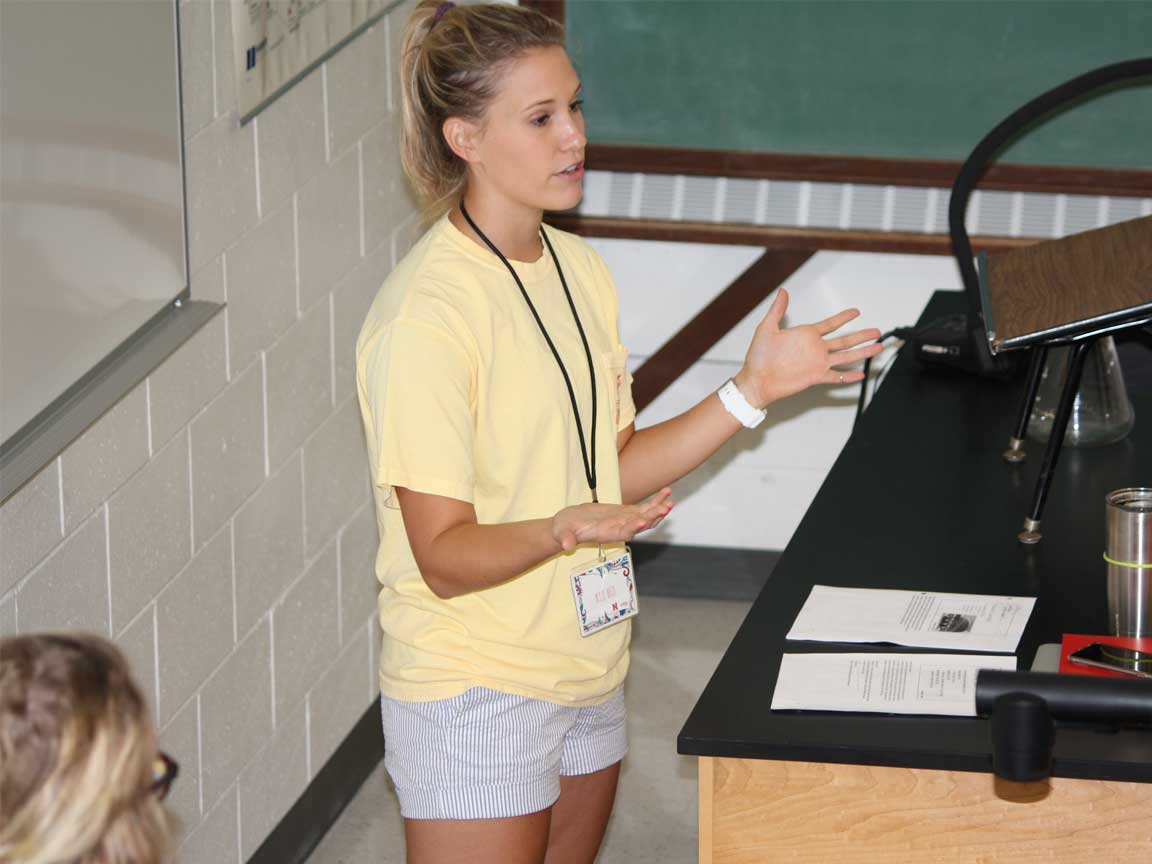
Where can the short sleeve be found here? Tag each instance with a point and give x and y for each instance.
(417, 393)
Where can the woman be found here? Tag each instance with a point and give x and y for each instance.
(505, 464)
(80, 776)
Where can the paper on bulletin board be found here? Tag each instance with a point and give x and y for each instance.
(277, 40)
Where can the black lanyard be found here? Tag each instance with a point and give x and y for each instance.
(589, 465)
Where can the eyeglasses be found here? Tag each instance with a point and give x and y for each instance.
(164, 771)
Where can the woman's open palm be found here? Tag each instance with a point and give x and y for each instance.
(782, 361)
(609, 523)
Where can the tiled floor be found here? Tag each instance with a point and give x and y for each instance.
(676, 645)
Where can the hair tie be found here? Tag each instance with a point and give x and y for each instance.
(441, 9)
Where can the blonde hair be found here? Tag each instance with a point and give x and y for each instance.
(452, 59)
(76, 753)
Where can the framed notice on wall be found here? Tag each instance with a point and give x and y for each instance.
(278, 41)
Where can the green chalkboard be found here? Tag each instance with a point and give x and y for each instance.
(919, 80)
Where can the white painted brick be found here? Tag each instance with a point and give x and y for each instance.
(236, 713)
(207, 283)
(405, 237)
(261, 287)
(350, 302)
(149, 531)
(30, 525)
(221, 184)
(180, 739)
(138, 642)
(357, 88)
(305, 639)
(299, 383)
(194, 623)
(269, 537)
(187, 381)
(395, 20)
(217, 839)
(291, 141)
(227, 453)
(388, 199)
(69, 590)
(196, 73)
(328, 209)
(335, 475)
(339, 699)
(359, 588)
(225, 53)
(272, 782)
(98, 462)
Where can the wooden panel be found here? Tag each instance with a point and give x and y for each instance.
(713, 322)
(705, 783)
(777, 237)
(1076, 278)
(939, 173)
(856, 814)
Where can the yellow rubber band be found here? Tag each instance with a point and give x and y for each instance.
(1127, 563)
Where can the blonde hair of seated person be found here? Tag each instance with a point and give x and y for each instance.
(77, 750)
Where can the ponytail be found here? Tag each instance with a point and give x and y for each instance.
(452, 58)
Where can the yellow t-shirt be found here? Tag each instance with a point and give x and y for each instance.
(461, 397)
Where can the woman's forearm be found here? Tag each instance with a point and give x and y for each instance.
(456, 555)
(470, 557)
(659, 455)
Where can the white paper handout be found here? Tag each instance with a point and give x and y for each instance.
(887, 683)
(920, 619)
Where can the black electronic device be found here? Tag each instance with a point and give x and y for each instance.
(1114, 658)
(956, 342)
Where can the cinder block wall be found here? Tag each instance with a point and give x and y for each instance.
(217, 521)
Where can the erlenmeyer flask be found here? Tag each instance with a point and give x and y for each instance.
(1101, 412)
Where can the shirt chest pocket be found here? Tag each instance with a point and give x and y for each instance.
(618, 381)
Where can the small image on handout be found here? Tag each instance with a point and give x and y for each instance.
(954, 622)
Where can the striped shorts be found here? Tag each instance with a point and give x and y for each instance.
(487, 755)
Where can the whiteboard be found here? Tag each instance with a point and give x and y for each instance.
(92, 226)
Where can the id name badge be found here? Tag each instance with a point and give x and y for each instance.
(605, 593)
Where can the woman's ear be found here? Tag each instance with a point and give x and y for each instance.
(462, 137)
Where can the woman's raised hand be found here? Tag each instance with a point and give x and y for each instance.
(783, 361)
(609, 523)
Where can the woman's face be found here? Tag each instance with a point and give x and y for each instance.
(530, 150)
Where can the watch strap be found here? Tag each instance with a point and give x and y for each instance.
(739, 407)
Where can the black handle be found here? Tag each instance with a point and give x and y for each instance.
(1023, 705)
(1070, 697)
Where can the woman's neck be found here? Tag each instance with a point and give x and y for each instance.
(516, 235)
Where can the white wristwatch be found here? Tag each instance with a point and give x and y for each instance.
(739, 407)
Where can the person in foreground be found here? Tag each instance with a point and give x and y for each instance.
(506, 469)
(81, 779)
